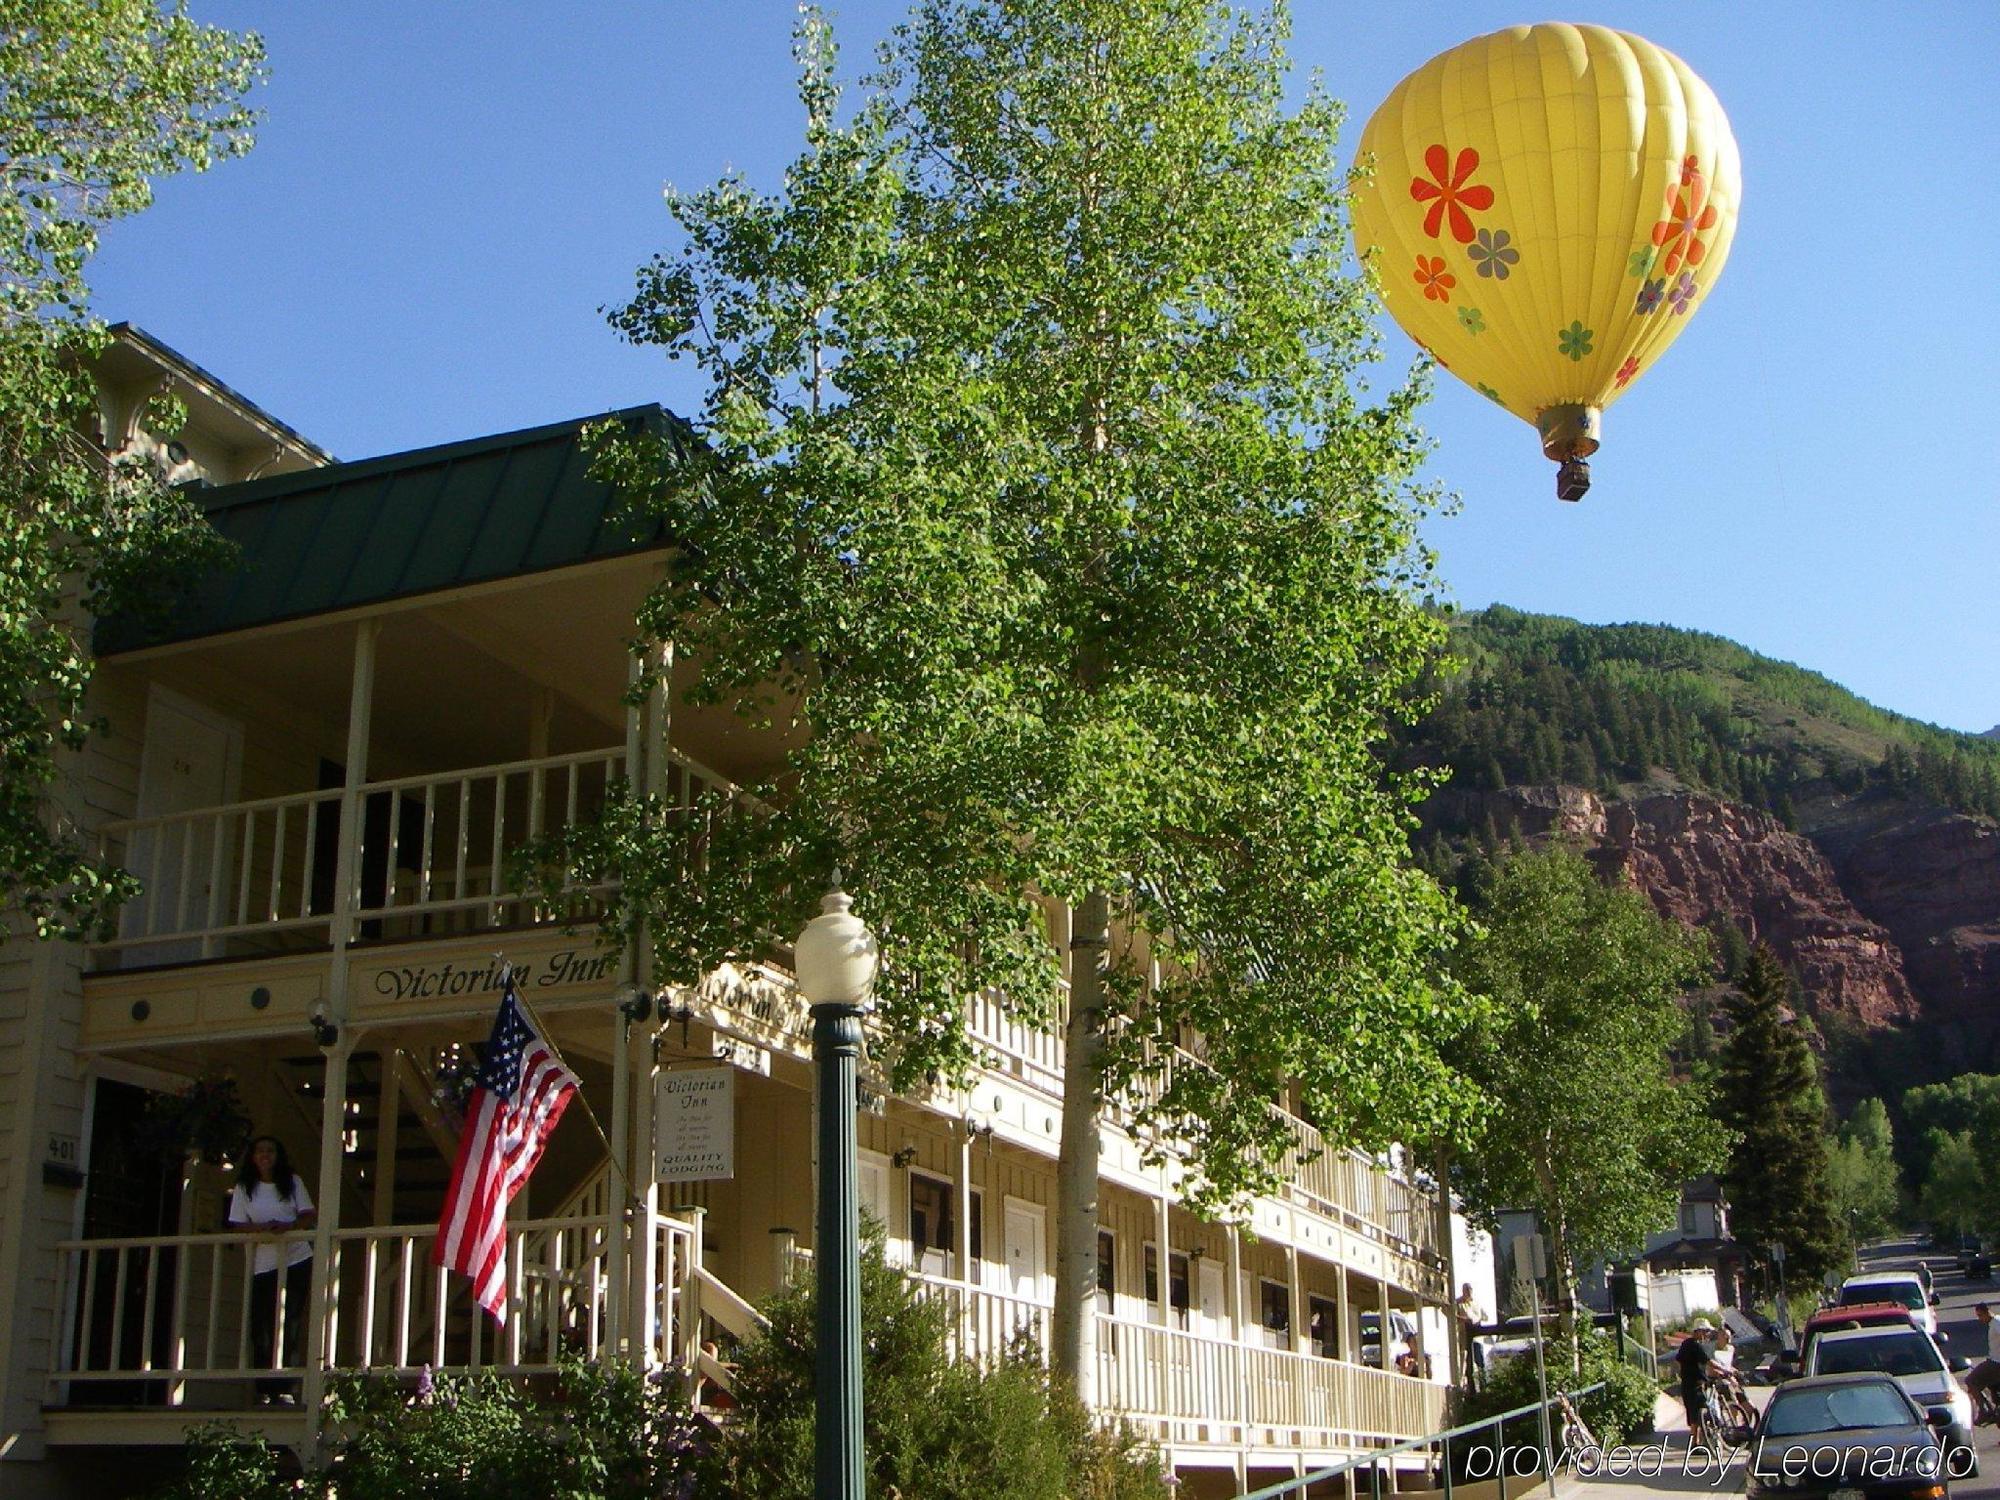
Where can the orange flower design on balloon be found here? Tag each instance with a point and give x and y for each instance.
(1689, 216)
(1434, 279)
(1627, 370)
(1451, 194)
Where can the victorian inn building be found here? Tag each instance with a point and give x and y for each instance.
(319, 772)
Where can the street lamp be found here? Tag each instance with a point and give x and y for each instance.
(835, 960)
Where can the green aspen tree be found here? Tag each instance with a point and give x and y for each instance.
(1041, 503)
(1590, 1127)
(97, 98)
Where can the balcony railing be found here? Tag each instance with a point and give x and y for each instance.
(164, 1321)
(1171, 1381)
(149, 1320)
(430, 856)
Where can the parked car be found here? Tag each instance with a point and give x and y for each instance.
(1968, 1247)
(1884, 1444)
(1914, 1361)
(1402, 1334)
(1787, 1364)
(1891, 1286)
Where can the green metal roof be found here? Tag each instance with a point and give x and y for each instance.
(410, 523)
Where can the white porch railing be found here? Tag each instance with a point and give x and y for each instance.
(430, 855)
(1190, 1387)
(160, 1314)
(221, 872)
(165, 1321)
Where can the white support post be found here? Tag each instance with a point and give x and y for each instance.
(333, 1103)
(961, 1250)
(1162, 1228)
(1240, 1385)
(1349, 1341)
(1234, 1292)
(1297, 1293)
(1382, 1328)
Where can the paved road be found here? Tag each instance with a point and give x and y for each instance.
(1956, 1297)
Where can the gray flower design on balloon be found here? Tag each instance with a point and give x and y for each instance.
(1493, 254)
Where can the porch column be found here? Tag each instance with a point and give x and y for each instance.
(333, 1100)
(961, 1250)
(1297, 1293)
(1347, 1339)
(1162, 1237)
(1382, 1313)
(1233, 1294)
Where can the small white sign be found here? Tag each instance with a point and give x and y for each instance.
(694, 1125)
(63, 1151)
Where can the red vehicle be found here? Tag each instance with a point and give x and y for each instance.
(1860, 1315)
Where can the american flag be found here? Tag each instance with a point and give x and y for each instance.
(520, 1092)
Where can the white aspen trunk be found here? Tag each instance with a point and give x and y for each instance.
(1073, 1356)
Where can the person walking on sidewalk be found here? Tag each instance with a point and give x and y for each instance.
(1983, 1383)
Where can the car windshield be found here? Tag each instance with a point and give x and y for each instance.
(1792, 1413)
(1908, 1353)
(1906, 1292)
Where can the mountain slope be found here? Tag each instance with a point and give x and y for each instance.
(1748, 795)
(1541, 699)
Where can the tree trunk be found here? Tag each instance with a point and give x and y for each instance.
(1565, 1277)
(1074, 1332)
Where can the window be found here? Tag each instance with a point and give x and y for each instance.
(1906, 1353)
(1107, 1270)
(1275, 1308)
(1177, 1283)
(934, 1219)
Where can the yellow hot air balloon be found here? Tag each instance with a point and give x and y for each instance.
(1548, 205)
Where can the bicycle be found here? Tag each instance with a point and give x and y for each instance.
(1724, 1414)
(1576, 1434)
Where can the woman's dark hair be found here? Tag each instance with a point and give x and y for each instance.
(283, 1178)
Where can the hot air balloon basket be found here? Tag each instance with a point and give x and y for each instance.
(1572, 479)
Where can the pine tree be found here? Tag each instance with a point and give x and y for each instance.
(1769, 1095)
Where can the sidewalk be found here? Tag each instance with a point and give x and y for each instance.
(1659, 1465)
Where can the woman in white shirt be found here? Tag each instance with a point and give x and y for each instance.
(270, 1199)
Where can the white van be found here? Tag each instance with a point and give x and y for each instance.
(1893, 1286)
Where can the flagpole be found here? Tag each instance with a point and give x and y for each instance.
(506, 978)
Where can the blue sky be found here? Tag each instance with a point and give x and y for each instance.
(442, 196)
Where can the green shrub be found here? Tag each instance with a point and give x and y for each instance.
(222, 1465)
(597, 1432)
(603, 1430)
(1622, 1409)
(933, 1426)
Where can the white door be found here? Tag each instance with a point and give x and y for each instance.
(1212, 1307)
(188, 761)
(1027, 1259)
